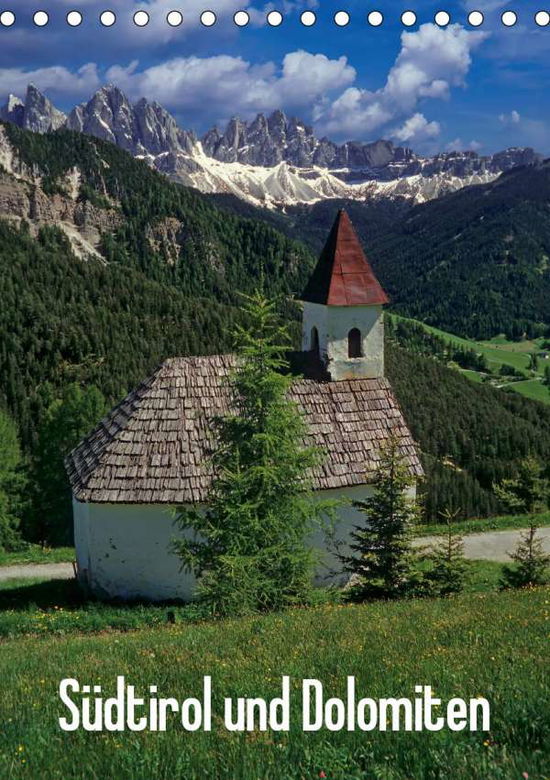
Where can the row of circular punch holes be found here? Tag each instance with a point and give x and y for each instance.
(276, 18)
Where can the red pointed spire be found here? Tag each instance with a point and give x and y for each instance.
(343, 276)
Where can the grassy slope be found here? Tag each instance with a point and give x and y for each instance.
(497, 352)
(477, 525)
(34, 553)
(475, 376)
(41, 607)
(482, 644)
(532, 388)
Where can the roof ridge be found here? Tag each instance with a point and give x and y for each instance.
(132, 398)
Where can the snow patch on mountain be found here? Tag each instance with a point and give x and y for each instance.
(285, 185)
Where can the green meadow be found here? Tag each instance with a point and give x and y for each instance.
(34, 553)
(42, 607)
(477, 644)
(532, 388)
(499, 351)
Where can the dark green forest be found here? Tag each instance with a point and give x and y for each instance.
(217, 253)
(63, 320)
(475, 262)
(471, 435)
(76, 335)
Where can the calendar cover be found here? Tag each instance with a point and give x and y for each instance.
(274, 390)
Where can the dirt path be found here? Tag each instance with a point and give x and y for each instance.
(489, 546)
(47, 571)
(492, 545)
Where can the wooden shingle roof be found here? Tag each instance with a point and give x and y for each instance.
(154, 446)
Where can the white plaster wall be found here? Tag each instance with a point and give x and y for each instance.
(123, 551)
(81, 523)
(333, 324)
(369, 320)
(329, 545)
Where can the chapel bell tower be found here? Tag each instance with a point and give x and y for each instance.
(342, 316)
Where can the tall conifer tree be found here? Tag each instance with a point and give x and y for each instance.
(382, 558)
(248, 548)
(67, 420)
(448, 564)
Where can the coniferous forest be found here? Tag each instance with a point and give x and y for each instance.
(474, 262)
(77, 334)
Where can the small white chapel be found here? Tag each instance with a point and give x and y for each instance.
(149, 456)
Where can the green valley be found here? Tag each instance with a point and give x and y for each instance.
(499, 354)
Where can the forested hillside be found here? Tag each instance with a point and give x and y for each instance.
(169, 232)
(475, 262)
(64, 320)
(471, 435)
(161, 292)
(174, 267)
(311, 223)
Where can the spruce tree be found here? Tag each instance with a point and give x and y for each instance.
(531, 562)
(528, 492)
(448, 565)
(67, 420)
(383, 563)
(248, 547)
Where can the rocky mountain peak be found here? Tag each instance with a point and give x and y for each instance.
(281, 159)
(13, 110)
(144, 129)
(41, 116)
(37, 113)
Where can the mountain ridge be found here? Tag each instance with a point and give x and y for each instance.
(273, 161)
(475, 262)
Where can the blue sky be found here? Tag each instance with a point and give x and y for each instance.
(427, 87)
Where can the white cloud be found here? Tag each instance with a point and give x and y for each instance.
(415, 129)
(200, 89)
(513, 118)
(458, 145)
(233, 86)
(432, 60)
(203, 90)
(57, 81)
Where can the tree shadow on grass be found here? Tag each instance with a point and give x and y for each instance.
(43, 595)
(67, 594)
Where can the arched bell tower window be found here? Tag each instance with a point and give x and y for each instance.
(315, 341)
(354, 343)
